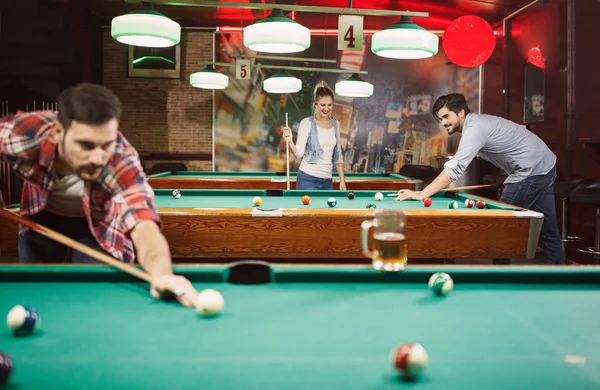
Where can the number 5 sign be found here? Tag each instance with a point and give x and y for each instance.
(242, 69)
(350, 32)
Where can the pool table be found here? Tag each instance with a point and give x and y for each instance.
(225, 224)
(311, 327)
(275, 181)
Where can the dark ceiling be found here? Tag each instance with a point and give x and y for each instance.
(441, 12)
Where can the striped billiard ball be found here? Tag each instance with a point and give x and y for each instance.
(453, 204)
(410, 360)
(22, 320)
(441, 283)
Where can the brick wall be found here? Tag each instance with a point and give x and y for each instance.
(164, 115)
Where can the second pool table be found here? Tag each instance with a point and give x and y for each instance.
(275, 181)
(224, 224)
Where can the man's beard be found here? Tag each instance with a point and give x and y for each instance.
(84, 172)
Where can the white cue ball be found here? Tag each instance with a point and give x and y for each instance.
(209, 302)
(378, 196)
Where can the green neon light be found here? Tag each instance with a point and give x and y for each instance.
(147, 58)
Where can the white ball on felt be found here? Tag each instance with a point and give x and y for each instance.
(209, 302)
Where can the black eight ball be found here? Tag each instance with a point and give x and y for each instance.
(350, 195)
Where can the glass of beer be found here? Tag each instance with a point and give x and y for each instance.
(389, 233)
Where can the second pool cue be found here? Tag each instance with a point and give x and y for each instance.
(456, 189)
(287, 154)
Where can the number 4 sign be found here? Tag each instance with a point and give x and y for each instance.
(350, 32)
(242, 69)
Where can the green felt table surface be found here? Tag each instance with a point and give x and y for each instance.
(269, 175)
(293, 199)
(311, 328)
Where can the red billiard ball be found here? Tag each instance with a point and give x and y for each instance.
(480, 204)
(306, 199)
(427, 202)
(469, 203)
(410, 360)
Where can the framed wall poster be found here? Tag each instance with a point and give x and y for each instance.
(154, 62)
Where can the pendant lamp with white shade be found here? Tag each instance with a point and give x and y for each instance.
(146, 27)
(282, 83)
(209, 78)
(277, 34)
(354, 86)
(405, 40)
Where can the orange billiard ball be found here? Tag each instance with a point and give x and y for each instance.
(427, 202)
(306, 199)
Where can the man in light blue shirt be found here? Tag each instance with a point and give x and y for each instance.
(529, 163)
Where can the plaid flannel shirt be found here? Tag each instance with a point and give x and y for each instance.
(113, 204)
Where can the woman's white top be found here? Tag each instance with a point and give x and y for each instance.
(324, 168)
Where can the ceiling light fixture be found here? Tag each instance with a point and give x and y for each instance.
(354, 86)
(405, 40)
(209, 78)
(282, 83)
(146, 27)
(277, 34)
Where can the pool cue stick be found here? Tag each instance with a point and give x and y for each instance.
(80, 247)
(450, 189)
(287, 154)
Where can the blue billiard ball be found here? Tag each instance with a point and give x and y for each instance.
(22, 320)
(332, 202)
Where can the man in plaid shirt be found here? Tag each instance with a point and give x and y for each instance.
(83, 179)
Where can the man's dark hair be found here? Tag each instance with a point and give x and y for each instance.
(453, 102)
(87, 103)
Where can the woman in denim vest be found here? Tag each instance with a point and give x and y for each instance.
(318, 145)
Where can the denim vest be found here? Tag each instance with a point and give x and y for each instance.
(313, 151)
